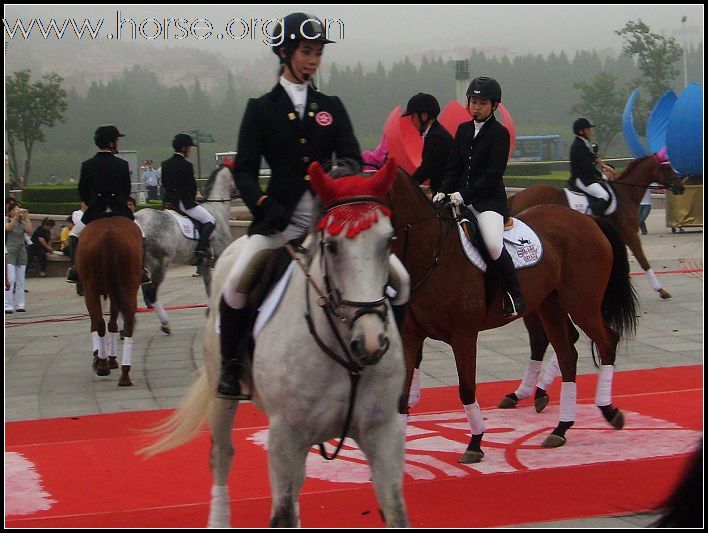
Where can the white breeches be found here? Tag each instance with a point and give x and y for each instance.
(491, 226)
(594, 189)
(198, 213)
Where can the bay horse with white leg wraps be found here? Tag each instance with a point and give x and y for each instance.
(110, 263)
(629, 187)
(583, 272)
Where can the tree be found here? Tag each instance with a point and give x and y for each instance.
(656, 54)
(30, 108)
(602, 101)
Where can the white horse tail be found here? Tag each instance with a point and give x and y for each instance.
(184, 424)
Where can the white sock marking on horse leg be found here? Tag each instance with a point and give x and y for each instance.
(219, 511)
(96, 341)
(414, 393)
(127, 351)
(653, 281)
(603, 395)
(161, 313)
(550, 373)
(111, 343)
(475, 419)
(102, 347)
(528, 382)
(569, 395)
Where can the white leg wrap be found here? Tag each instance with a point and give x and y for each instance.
(161, 313)
(120, 322)
(111, 343)
(96, 341)
(603, 395)
(569, 395)
(475, 419)
(652, 280)
(528, 382)
(550, 373)
(414, 393)
(127, 351)
(102, 348)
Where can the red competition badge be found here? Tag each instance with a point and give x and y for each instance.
(323, 118)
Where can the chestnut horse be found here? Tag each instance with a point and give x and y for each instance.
(583, 272)
(109, 262)
(629, 188)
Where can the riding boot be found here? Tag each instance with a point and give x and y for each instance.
(202, 251)
(514, 303)
(234, 329)
(71, 275)
(145, 278)
(598, 206)
(399, 313)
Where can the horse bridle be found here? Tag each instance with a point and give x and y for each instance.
(673, 188)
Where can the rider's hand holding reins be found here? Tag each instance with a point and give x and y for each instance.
(274, 213)
(456, 199)
(439, 198)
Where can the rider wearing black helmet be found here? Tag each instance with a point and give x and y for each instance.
(104, 186)
(180, 189)
(290, 127)
(437, 142)
(474, 177)
(584, 173)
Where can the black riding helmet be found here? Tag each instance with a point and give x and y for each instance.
(484, 87)
(423, 103)
(581, 124)
(294, 28)
(106, 134)
(182, 140)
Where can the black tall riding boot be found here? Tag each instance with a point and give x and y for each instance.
(234, 325)
(71, 275)
(399, 313)
(145, 279)
(202, 251)
(514, 303)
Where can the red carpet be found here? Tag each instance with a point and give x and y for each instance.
(83, 471)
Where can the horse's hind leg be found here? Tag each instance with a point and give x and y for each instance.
(286, 465)
(112, 337)
(384, 447)
(127, 355)
(221, 419)
(554, 319)
(606, 342)
(150, 297)
(98, 331)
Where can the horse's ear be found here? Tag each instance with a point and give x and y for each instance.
(383, 179)
(321, 182)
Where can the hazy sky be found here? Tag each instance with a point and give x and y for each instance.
(373, 32)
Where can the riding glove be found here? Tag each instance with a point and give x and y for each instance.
(456, 199)
(439, 197)
(274, 214)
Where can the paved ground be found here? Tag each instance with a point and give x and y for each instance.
(48, 349)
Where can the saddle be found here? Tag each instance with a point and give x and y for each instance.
(596, 206)
(191, 227)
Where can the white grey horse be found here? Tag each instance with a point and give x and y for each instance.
(304, 392)
(165, 244)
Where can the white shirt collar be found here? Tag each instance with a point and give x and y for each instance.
(296, 91)
(427, 129)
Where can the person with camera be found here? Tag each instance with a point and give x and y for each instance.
(17, 227)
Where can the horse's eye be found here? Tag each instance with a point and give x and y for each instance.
(331, 247)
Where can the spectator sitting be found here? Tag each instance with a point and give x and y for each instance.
(64, 236)
(41, 245)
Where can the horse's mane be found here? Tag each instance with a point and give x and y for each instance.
(633, 164)
(339, 168)
(210, 182)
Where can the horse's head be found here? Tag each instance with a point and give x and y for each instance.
(665, 175)
(356, 235)
(220, 185)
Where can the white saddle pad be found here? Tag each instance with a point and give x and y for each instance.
(579, 202)
(520, 241)
(188, 228)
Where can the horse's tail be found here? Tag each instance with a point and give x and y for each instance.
(620, 303)
(186, 422)
(113, 271)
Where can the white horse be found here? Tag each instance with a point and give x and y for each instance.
(165, 243)
(302, 389)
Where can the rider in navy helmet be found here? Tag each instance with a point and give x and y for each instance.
(474, 178)
(584, 172)
(290, 127)
(424, 110)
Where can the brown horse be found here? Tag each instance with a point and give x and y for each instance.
(629, 188)
(109, 263)
(583, 273)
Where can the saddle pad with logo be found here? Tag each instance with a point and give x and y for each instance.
(188, 228)
(579, 202)
(520, 241)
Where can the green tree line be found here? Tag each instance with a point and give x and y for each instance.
(543, 95)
